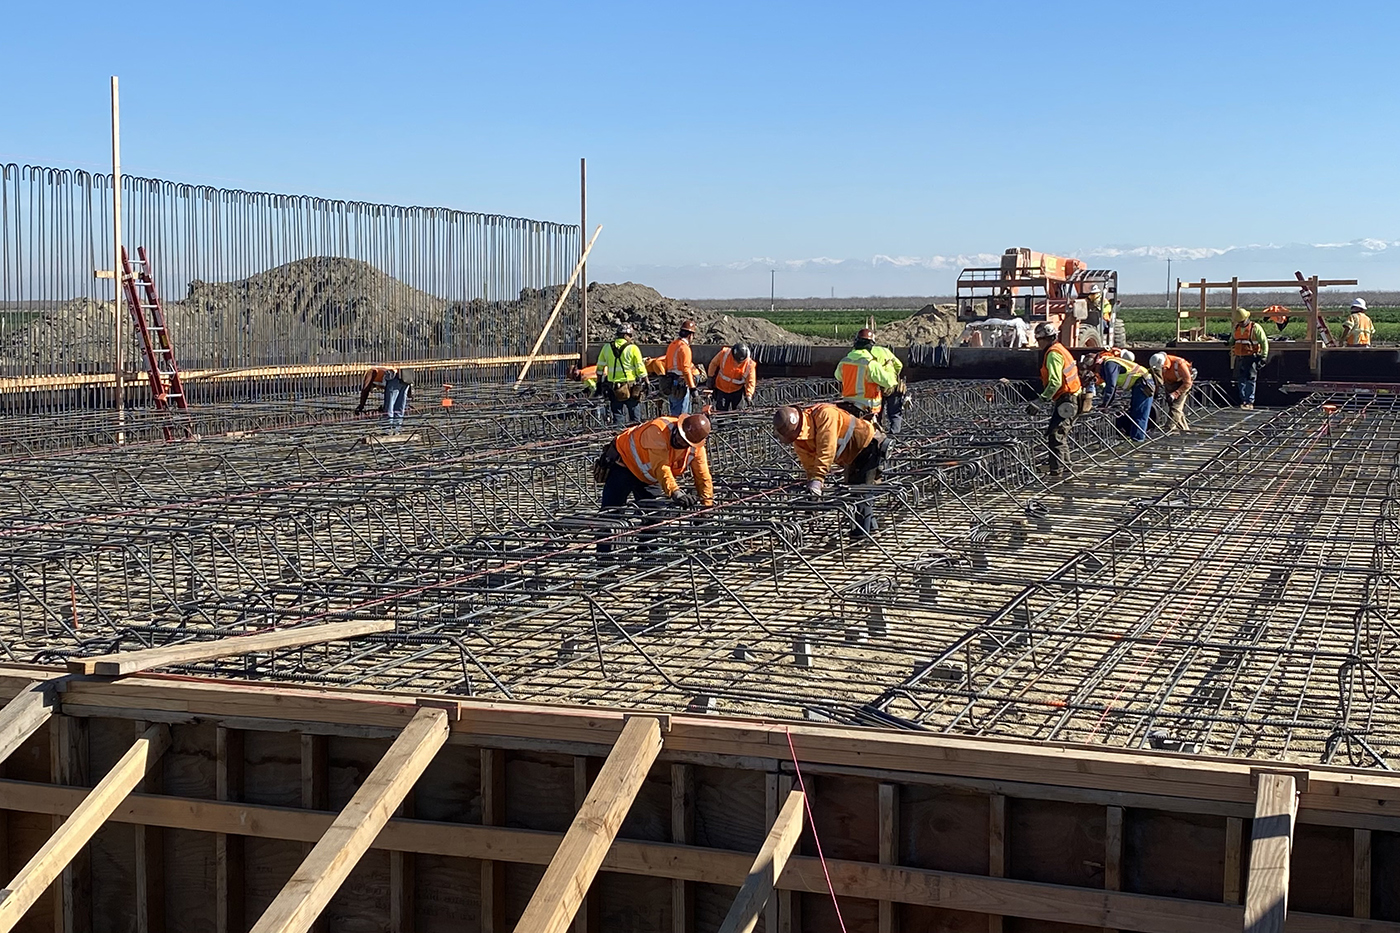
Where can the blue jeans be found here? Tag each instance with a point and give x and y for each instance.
(680, 405)
(1246, 374)
(892, 412)
(395, 401)
(1134, 423)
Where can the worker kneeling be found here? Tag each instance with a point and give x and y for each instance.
(824, 436)
(1174, 377)
(647, 461)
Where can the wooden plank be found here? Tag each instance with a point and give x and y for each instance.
(996, 850)
(573, 867)
(1234, 843)
(763, 875)
(70, 838)
(133, 662)
(1113, 850)
(586, 920)
(682, 833)
(24, 714)
(1361, 873)
(150, 858)
(228, 848)
(889, 847)
(70, 764)
(1271, 844)
(920, 887)
(401, 881)
(312, 885)
(493, 813)
(789, 903)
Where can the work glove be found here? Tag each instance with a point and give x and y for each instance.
(684, 499)
(360, 410)
(1032, 409)
(814, 489)
(748, 401)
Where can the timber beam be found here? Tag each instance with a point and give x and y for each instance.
(24, 714)
(763, 875)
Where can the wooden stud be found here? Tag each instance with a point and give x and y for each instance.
(587, 918)
(1234, 844)
(889, 848)
(493, 813)
(132, 662)
(996, 849)
(682, 833)
(1361, 873)
(1271, 844)
(767, 867)
(315, 787)
(69, 764)
(228, 849)
(1113, 850)
(784, 911)
(580, 854)
(313, 884)
(72, 836)
(24, 714)
(150, 858)
(401, 880)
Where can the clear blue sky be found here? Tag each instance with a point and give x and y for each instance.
(724, 131)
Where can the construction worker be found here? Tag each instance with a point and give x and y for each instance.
(892, 405)
(1357, 329)
(864, 377)
(1249, 347)
(825, 436)
(734, 374)
(396, 388)
(680, 380)
(646, 462)
(588, 375)
(1060, 376)
(1174, 378)
(1120, 374)
(622, 376)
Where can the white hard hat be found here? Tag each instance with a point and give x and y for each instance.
(1158, 362)
(1094, 289)
(1045, 330)
(1359, 303)
(1127, 355)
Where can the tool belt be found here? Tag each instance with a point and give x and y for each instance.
(622, 391)
(605, 462)
(673, 385)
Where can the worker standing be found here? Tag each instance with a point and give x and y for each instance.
(622, 376)
(734, 374)
(396, 388)
(646, 462)
(1060, 376)
(1174, 377)
(826, 436)
(892, 405)
(680, 370)
(1249, 348)
(1357, 329)
(1120, 374)
(864, 377)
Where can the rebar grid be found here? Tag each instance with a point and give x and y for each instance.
(1227, 590)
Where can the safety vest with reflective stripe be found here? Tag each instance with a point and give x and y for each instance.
(861, 374)
(731, 375)
(830, 436)
(678, 361)
(1359, 329)
(1069, 373)
(646, 451)
(1128, 372)
(1177, 372)
(621, 365)
(1246, 341)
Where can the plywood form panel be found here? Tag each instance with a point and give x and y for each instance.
(650, 815)
(1153, 841)
(361, 905)
(539, 791)
(272, 769)
(1022, 925)
(27, 832)
(631, 904)
(450, 789)
(113, 847)
(349, 761)
(1055, 842)
(1385, 876)
(188, 769)
(712, 902)
(846, 811)
(447, 894)
(938, 920)
(943, 830)
(729, 811)
(1320, 876)
(818, 915)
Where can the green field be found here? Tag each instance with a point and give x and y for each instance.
(1144, 325)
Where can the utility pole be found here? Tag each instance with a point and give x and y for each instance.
(772, 290)
(583, 276)
(119, 391)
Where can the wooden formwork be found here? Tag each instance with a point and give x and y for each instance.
(220, 806)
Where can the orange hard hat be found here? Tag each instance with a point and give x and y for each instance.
(787, 423)
(694, 429)
(688, 327)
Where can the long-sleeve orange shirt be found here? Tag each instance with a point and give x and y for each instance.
(729, 374)
(679, 361)
(830, 437)
(646, 450)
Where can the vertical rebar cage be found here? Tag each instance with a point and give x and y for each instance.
(254, 279)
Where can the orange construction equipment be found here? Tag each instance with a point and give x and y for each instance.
(1037, 287)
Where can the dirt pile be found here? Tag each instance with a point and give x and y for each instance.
(657, 318)
(926, 326)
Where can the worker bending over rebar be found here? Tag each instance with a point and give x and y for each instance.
(1119, 373)
(1174, 377)
(396, 388)
(1059, 374)
(826, 436)
(646, 462)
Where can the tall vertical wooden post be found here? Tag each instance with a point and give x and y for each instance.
(119, 390)
(1315, 327)
(583, 293)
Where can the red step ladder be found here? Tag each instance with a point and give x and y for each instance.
(1324, 332)
(166, 388)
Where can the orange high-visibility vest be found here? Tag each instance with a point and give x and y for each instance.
(1069, 374)
(1245, 344)
(1176, 372)
(1359, 330)
(730, 374)
(679, 362)
(646, 450)
(856, 385)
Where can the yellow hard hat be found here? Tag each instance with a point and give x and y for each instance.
(1240, 314)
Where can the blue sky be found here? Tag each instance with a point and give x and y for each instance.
(722, 133)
